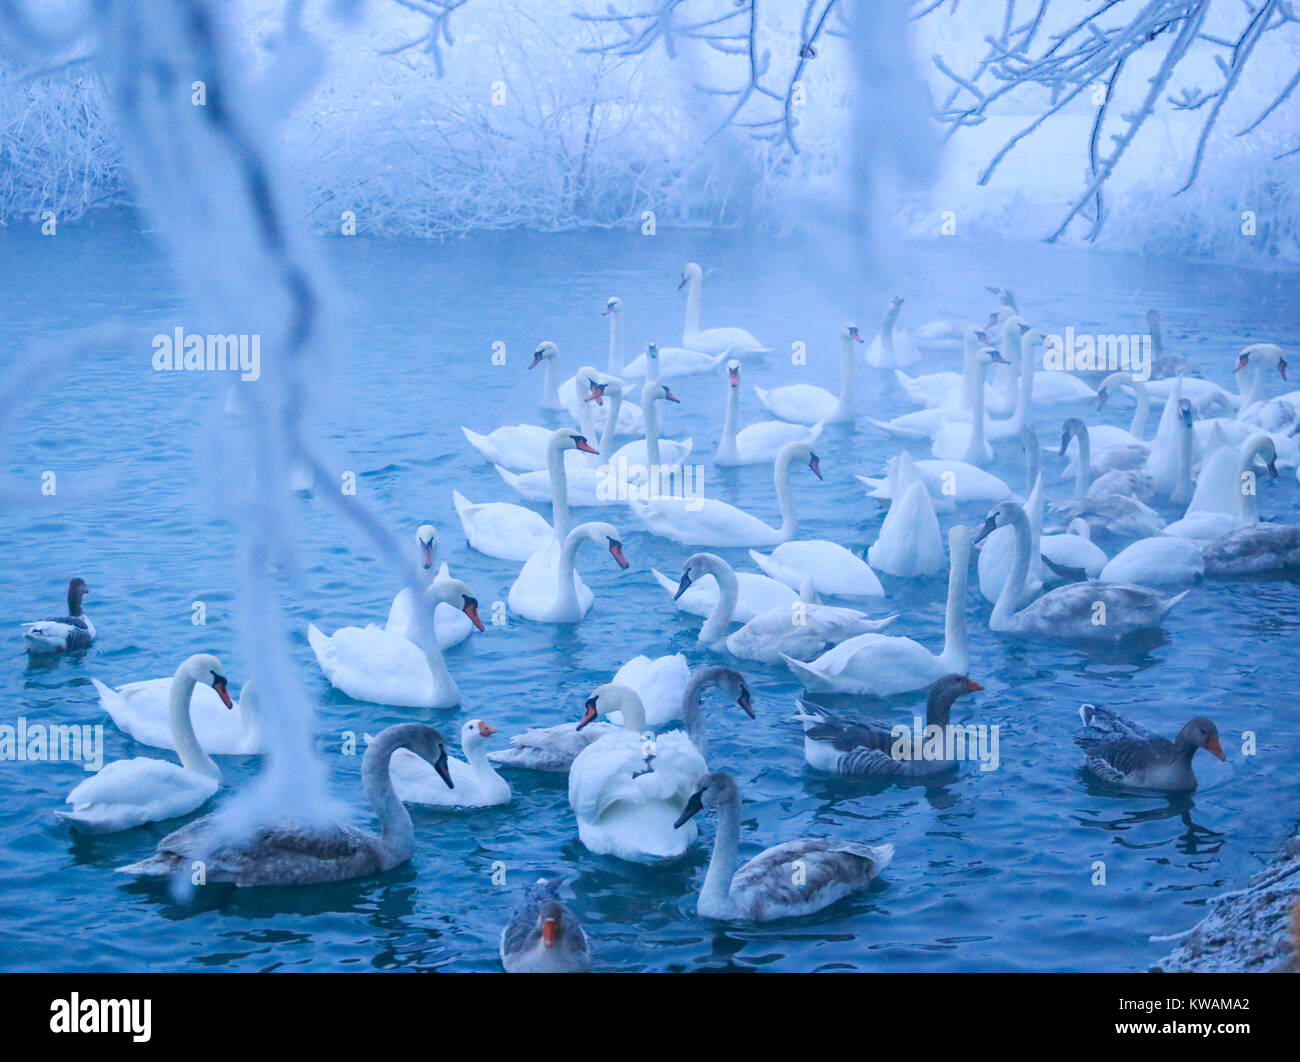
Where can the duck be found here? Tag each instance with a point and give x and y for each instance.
(300, 853)
(1089, 611)
(757, 444)
(788, 880)
(543, 936)
(834, 570)
(908, 544)
(802, 630)
(372, 664)
(71, 633)
(708, 522)
(879, 665)
(808, 404)
(754, 594)
(514, 532)
(872, 749)
(549, 590)
(735, 341)
(451, 625)
(141, 710)
(474, 781)
(1122, 753)
(893, 347)
(129, 793)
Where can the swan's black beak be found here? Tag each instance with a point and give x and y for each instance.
(745, 702)
(1102, 395)
(986, 530)
(537, 359)
(219, 684)
(815, 465)
(589, 714)
(440, 765)
(996, 356)
(683, 586)
(1281, 367)
(693, 807)
(1272, 469)
(1065, 442)
(682, 283)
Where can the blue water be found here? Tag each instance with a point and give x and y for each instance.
(993, 872)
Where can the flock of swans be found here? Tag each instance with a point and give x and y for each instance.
(636, 781)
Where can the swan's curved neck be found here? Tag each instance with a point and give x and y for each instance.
(716, 891)
(633, 712)
(559, 492)
(394, 819)
(954, 620)
(975, 445)
(650, 413)
(727, 444)
(191, 753)
(426, 637)
(692, 323)
(1184, 485)
(1083, 459)
(887, 329)
(1025, 396)
(550, 384)
(845, 406)
(611, 426)
(1143, 410)
(692, 717)
(785, 496)
(1013, 590)
(715, 627)
(1255, 391)
(616, 343)
(566, 587)
(1033, 462)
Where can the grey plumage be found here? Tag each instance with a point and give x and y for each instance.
(524, 945)
(1124, 753)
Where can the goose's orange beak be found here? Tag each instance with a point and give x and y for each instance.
(550, 932)
(1213, 746)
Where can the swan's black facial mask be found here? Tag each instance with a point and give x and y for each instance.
(683, 586)
(693, 807)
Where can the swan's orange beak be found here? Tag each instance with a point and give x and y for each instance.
(1242, 361)
(589, 714)
(537, 358)
(606, 311)
(426, 555)
(597, 394)
(550, 932)
(993, 319)
(616, 551)
(733, 376)
(486, 731)
(219, 684)
(670, 397)
(470, 608)
(581, 443)
(856, 335)
(1213, 746)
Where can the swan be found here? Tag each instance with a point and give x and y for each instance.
(785, 881)
(548, 589)
(946, 389)
(451, 625)
(1141, 411)
(513, 532)
(521, 447)
(372, 664)
(657, 362)
(1091, 611)
(1103, 504)
(547, 355)
(997, 553)
(867, 750)
(755, 594)
(909, 543)
(965, 441)
(1160, 561)
(1165, 365)
(614, 311)
(713, 340)
(1276, 414)
(627, 787)
(948, 483)
(660, 682)
(72, 632)
(1072, 554)
(571, 394)
(1203, 392)
(1225, 497)
(1123, 753)
(1254, 550)
(893, 347)
(129, 793)
(474, 781)
(884, 665)
(297, 853)
(800, 630)
(651, 450)
(834, 570)
(808, 404)
(542, 935)
(759, 443)
(142, 711)
(708, 522)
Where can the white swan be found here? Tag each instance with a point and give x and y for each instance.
(785, 881)
(1090, 611)
(451, 624)
(834, 570)
(548, 589)
(513, 532)
(808, 404)
(1103, 504)
(296, 853)
(949, 483)
(946, 389)
(1225, 497)
(372, 664)
(759, 443)
(657, 362)
(614, 311)
(892, 348)
(1072, 553)
(142, 710)
(68, 633)
(474, 781)
(965, 440)
(997, 552)
(547, 355)
(882, 665)
(1164, 560)
(755, 594)
(650, 451)
(713, 340)
(521, 447)
(129, 793)
(908, 544)
(801, 629)
(708, 522)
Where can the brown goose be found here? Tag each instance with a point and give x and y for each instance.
(1126, 754)
(65, 634)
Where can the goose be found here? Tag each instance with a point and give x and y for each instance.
(809, 404)
(759, 443)
(948, 483)
(909, 544)
(1254, 550)
(892, 348)
(1164, 365)
(1104, 504)
(142, 709)
(69, 633)
(627, 788)
(958, 441)
(451, 625)
(300, 853)
(754, 594)
(513, 532)
(946, 389)
(547, 355)
(657, 362)
(130, 793)
(788, 880)
(1090, 611)
(708, 522)
(656, 682)
(734, 341)
(867, 750)
(801, 630)
(1073, 550)
(1120, 752)
(474, 781)
(884, 665)
(372, 664)
(543, 936)
(1225, 497)
(548, 589)
(651, 450)
(1163, 560)
(834, 570)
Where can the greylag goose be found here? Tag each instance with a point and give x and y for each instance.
(1126, 754)
(542, 935)
(65, 634)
